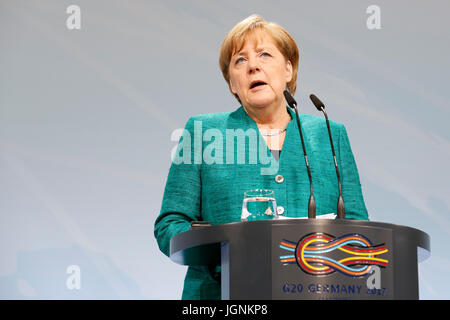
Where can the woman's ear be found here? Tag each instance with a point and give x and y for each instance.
(288, 71)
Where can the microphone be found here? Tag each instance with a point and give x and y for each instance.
(340, 205)
(312, 202)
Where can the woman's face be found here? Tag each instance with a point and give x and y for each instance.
(259, 72)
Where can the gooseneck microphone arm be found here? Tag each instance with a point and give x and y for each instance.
(340, 205)
(312, 202)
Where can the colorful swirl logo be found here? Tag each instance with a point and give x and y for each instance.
(317, 254)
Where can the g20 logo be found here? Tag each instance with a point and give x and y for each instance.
(320, 254)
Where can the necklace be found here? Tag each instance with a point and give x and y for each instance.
(271, 134)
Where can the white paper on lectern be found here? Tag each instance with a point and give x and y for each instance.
(322, 216)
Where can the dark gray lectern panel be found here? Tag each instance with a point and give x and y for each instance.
(352, 263)
(308, 259)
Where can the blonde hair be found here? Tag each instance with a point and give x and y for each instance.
(235, 40)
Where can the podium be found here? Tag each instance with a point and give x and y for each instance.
(293, 259)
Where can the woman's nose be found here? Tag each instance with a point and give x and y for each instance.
(253, 65)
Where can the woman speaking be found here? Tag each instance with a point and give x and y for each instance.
(221, 156)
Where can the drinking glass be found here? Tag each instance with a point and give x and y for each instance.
(259, 204)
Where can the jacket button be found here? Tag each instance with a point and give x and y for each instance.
(279, 178)
(280, 210)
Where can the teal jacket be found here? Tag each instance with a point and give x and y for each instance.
(222, 155)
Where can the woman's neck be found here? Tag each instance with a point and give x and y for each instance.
(269, 117)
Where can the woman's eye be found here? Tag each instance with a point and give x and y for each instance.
(239, 60)
(265, 54)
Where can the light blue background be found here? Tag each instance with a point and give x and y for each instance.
(87, 116)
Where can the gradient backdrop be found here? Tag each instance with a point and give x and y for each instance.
(86, 118)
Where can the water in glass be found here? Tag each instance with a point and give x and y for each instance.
(259, 204)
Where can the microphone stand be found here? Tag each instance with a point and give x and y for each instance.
(340, 205)
(312, 202)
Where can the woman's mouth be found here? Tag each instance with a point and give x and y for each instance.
(257, 85)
